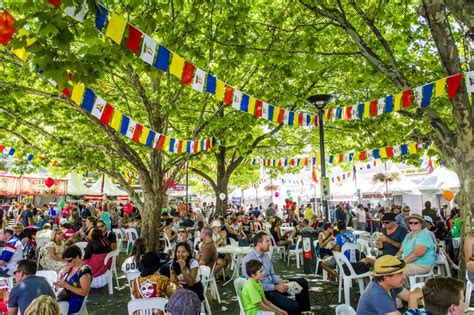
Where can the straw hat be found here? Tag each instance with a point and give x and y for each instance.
(415, 216)
(388, 265)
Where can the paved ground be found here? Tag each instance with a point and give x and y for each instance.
(323, 294)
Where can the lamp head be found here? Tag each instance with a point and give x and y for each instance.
(319, 100)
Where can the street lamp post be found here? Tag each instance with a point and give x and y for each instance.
(320, 101)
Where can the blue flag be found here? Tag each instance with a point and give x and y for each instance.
(162, 61)
(100, 16)
(88, 101)
(124, 125)
(211, 84)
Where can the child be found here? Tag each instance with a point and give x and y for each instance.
(252, 295)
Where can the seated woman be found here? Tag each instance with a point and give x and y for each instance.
(278, 236)
(75, 279)
(418, 249)
(150, 283)
(52, 252)
(94, 256)
(138, 250)
(169, 232)
(184, 270)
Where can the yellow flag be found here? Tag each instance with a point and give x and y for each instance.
(144, 135)
(166, 144)
(78, 93)
(366, 109)
(397, 103)
(356, 155)
(440, 87)
(252, 102)
(412, 148)
(116, 28)
(116, 120)
(220, 88)
(177, 65)
(21, 53)
(383, 153)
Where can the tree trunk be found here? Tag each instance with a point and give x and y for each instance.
(222, 187)
(151, 217)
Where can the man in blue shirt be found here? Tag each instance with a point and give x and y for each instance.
(380, 296)
(11, 253)
(276, 289)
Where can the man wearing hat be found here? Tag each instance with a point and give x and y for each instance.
(385, 287)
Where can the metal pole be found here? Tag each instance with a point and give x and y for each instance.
(187, 186)
(324, 201)
(386, 183)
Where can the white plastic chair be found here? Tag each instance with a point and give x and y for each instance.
(365, 246)
(168, 248)
(82, 246)
(41, 241)
(318, 261)
(442, 263)
(342, 260)
(112, 271)
(147, 306)
(279, 249)
(468, 291)
(207, 279)
(131, 235)
(297, 252)
(352, 248)
(412, 279)
(239, 285)
(63, 308)
(120, 236)
(50, 275)
(345, 309)
(130, 278)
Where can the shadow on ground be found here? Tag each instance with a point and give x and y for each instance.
(323, 294)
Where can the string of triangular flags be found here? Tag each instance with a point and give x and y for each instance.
(364, 155)
(8, 151)
(163, 59)
(102, 110)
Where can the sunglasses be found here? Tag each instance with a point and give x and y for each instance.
(15, 272)
(386, 222)
(413, 222)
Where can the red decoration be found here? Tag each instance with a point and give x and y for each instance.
(6, 27)
(134, 37)
(228, 95)
(188, 73)
(453, 84)
(56, 3)
(49, 182)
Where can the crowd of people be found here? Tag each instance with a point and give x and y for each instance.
(191, 238)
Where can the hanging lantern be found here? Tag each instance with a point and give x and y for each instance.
(448, 195)
(49, 182)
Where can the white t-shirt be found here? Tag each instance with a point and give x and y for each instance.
(129, 265)
(192, 264)
(362, 216)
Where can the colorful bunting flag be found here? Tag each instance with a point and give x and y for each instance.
(116, 28)
(198, 80)
(148, 49)
(188, 73)
(100, 16)
(453, 84)
(134, 38)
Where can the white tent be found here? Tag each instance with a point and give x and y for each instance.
(105, 186)
(439, 180)
(75, 186)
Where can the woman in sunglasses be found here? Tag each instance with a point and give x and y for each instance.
(418, 249)
(75, 279)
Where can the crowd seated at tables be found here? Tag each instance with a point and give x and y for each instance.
(195, 237)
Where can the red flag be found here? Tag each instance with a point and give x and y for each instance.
(195, 148)
(314, 175)
(188, 73)
(362, 155)
(329, 114)
(348, 112)
(56, 3)
(107, 114)
(279, 163)
(137, 132)
(453, 84)
(316, 120)
(406, 99)
(292, 162)
(341, 157)
(66, 92)
(228, 95)
(281, 115)
(389, 151)
(180, 146)
(373, 108)
(300, 119)
(2, 147)
(6, 27)
(134, 38)
(160, 142)
(258, 108)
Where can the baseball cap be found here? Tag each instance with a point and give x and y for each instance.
(216, 223)
(388, 265)
(184, 302)
(427, 218)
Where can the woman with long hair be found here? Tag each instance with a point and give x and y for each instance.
(184, 270)
(133, 261)
(94, 255)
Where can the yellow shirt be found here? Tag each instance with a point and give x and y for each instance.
(308, 213)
